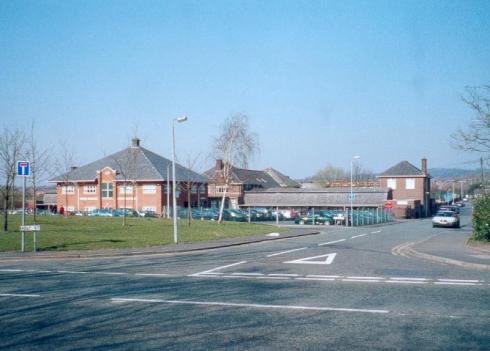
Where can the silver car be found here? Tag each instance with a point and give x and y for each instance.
(446, 219)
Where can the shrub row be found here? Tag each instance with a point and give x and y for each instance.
(481, 219)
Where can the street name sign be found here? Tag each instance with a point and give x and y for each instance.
(30, 228)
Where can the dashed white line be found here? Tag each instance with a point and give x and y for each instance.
(316, 278)
(251, 305)
(283, 275)
(217, 268)
(453, 283)
(361, 280)
(358, 236)
(331, 242)
(285, 252)
(366, 278)
(323, 276)
(377, 231)
(12, 270)
(20, 295)
(70, 272)
(410, 279)
(406, 281)
(458, 280)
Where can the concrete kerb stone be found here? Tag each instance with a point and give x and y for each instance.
(159, 250)
(407, 250)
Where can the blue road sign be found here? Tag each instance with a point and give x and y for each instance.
(23, 168)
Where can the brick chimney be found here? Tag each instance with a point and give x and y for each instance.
(72, 168)
(219, 165)
(424, 166)
(135, 142)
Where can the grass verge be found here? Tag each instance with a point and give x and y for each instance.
(90, 233)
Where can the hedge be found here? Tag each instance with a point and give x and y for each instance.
(481, 219)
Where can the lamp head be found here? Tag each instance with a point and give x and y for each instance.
(181, 119)
(356, 157)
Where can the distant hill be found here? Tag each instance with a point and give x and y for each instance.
(447, 173)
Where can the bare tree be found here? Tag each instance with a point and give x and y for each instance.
(126, 163)
(330, 175)
(235, 146)
(11, 148)
(39, 159)
(476, 137)
(189, 185)
(64, 166)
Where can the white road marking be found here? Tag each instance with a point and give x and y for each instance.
(71, 272)
(217, 268)
(378, 231)
(12, 270)
(452, 283)
(285, 252)
(20, 295)
(357, 236)
(331, 242)
(361, 280)
(414, 279)
(368, 278)
(311, 260)
(316, 278)
(406, 281)
(458, 280)
(152, 274)
(250, 305)
(324, 276)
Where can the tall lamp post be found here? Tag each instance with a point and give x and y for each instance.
(174, 184)
(351, 192)
(168, 190)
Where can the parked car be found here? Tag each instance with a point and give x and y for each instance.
(316, 219)
(446, 219)
(128, 212)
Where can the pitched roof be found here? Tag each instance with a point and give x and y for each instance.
(403, 168)
(327, 197)
(282, 179)
(269, 178)
(135, 163)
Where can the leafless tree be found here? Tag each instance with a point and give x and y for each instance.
(476, 137)
(362, 176)
(235, 145)
(189, 185)
(127, 167)
(39, 162)
(330, 175)
(64, 165)
(11, 149)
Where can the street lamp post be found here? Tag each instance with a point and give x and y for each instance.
(351, 191)
(168, 190)
(174, 184)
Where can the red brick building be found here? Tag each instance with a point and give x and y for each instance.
(410, 189)
(133, 178)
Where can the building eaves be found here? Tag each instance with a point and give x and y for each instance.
(403, 168)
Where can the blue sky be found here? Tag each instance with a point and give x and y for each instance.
(320, 80)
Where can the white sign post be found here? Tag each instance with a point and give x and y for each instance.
(23, 170)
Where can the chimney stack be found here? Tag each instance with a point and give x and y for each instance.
(135, 142)
(424, 166)
(72, 168)
(219, 165)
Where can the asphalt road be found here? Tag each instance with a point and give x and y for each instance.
(343, 289)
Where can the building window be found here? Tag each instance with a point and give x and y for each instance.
(126, 189)
(391, 183)
(221, 188)
(149, 189)
(410, 183)
(106, 190)
(89, 189)
(67, 189)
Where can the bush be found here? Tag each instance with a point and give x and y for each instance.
(481, 219)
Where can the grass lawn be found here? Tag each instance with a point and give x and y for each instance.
(88, 233)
